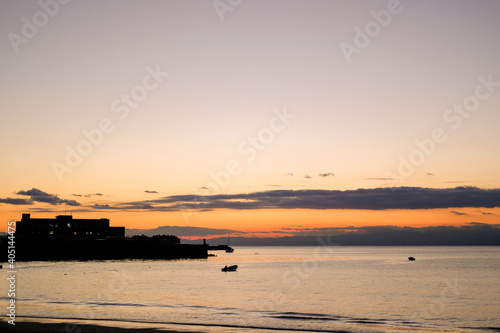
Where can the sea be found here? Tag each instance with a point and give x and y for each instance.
(324, 288)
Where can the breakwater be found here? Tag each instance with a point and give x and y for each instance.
(45, 249)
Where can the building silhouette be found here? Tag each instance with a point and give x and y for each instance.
(65, 226)
(65, 238)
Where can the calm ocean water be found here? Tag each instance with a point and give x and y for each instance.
(351, 289)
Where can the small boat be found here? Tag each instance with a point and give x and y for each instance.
(411, 258)
(230, 268)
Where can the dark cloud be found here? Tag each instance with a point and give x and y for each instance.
(457, 213)
(71, 202)
(148, 191)
(289, 174)
(141, 206)
(37, 195)
(372, 199)
(136, 206)
(307, 177)
(16, 201)
(34, 192)
(429, 174)
(329, 174)
(105, 206)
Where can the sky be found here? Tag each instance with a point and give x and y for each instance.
(256, 116)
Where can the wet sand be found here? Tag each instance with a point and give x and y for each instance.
(84, 326)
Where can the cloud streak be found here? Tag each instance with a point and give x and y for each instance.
(370, 199)
(87, 195)
(37, 195)
(413, 198)
(458, 213)
(16, 201)
(328, 174)
(182, 231)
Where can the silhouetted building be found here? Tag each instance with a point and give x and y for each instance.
(67, 227)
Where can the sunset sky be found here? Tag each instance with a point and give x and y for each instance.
(257, 116)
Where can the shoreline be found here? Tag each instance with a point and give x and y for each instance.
(63, 325)
(53, 325)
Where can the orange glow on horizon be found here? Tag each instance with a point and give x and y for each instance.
(279, 222)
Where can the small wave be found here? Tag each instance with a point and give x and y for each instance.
(307, 314)
(304, 316)
(324, 317)
(116, 304)
(364, 321)
(494, 329)
(343, 319)
(299, 318)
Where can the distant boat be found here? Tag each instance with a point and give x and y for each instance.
(230, 268)
(411, 258)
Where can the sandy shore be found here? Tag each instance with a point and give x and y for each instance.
(84, 326)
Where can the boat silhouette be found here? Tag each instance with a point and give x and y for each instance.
(230, 268)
